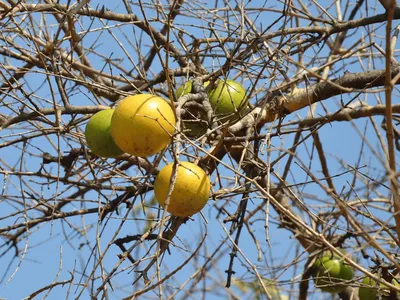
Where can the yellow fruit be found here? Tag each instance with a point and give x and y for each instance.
(98, 135)
(191, 190)
(142, 124)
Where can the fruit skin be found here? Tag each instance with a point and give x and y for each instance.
(192, 124)
(98, 135)
(191, 190)
(184, 89)
(142, 124)
(227, 97)
(365, 293)
(330, 272)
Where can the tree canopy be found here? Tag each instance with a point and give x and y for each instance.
(303, 166)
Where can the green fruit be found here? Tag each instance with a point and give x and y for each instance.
(193, 124)
(371, 293)
(187, 88)
(98, 135)
(332, 273)
(184, 89)
(227, 97)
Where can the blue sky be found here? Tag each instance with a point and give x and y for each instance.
(57, 249)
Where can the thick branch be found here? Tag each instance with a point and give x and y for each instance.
(350, 82)
(276, 105)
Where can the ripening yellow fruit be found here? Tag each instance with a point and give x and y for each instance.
(142, 125)
(191, 190)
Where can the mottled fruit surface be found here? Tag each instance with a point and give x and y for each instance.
(98, 135)
(143, 124)
(227, 97)
(191, 190)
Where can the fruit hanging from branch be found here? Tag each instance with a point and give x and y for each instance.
(369, 289)
(98, 135)
(227, 98)
(143, 124)
(332, 273)
(194, 119)
(190, 192)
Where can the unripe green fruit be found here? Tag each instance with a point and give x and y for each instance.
(371, 293)
(184, 89)
(98, 135)
(228, 97)
(332, 274)
(193, 125)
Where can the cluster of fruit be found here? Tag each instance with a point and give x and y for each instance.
(143, 124)
(332, 275)
(226, 99)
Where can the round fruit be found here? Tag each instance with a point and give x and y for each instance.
(98, 135)
(370, 293)
(142, 124)
(191, 190)
(193, 123)
(332, 273)
(228, 97)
